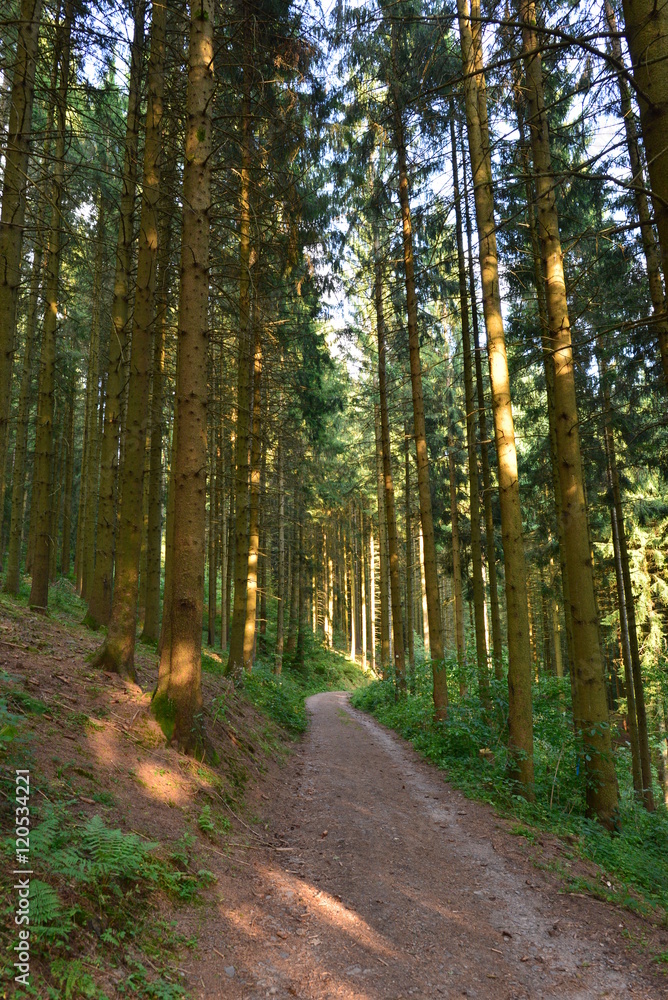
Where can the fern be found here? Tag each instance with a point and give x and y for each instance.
(45, 905)
(74, 980)
(113, 853)
(204, 822)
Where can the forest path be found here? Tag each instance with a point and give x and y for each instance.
(391, 885)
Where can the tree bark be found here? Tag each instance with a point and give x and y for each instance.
(372, 596)
(117, 652)
(410, 565)
(85, 559)
(13, 575)
(646, 27)
(650, 249)
(14, 188)
(636, 691)
(549, 373)
(474, 486)
(68, 483)
(592, 707)
(43, 461)
(520, 725)
(460, 644)
(393, 544)
(151, 628)
(440, 681)
(384, 562)
(254, 505)
(99, 598)
(280, 582)
(490, 545)
(178, 699)
(236, 657)
(212, 555)
(293, 621)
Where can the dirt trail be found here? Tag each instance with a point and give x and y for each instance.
(388, 884)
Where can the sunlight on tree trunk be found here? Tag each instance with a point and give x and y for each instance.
(177, 702)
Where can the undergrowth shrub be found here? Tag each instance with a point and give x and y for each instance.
(98, 881)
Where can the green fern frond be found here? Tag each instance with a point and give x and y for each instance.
(113, 853)
(45, 905)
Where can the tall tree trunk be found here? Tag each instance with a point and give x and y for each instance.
(236, 658)
(490, 545)
(556, 628)
(99, 597)
(55, 493)
(631, 715)
(592, 707)
(301, 602)
(364, 596)
(229, 576)
(254, 504)
(117, 652)
(635, 692)
(13, 576)
(440, 681)
(151, 628)
(178, 699)
(349, 557)
(212, 556)
(393, 544)
(91, 443)
(520, 725)
(265, 543)
(223, 519)
(650, 249)
(280, 581)
(460, 643)
(327, 617)
(424, 617)
(382, 544)
(410, 565)
(646, 26)
(43, 465)
(165, 627)
(68, 483)
(293, 621)
(474, 486)
(372, 596)
(549, 373)
(12, 217)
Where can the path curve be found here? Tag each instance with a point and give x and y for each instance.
(389, 884)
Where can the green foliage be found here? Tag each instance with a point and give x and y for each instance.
(23, 702)
(205, 822)
(139, 985)
(95, 876)
(9, 727)
(469, 746)
(283, 697)
(73, 979)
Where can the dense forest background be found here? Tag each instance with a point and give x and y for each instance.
(349, 327)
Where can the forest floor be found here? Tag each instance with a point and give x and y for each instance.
(344, 866)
